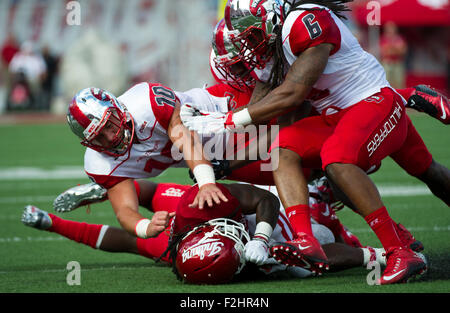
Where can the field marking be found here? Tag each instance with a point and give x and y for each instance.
(102, 268)
(385, 191)
(59, 172)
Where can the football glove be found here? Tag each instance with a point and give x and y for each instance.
(206, 122)
(256, 251)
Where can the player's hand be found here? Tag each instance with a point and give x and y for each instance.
(205, 122)
(160, 221)
(256, 251)
(208, 194)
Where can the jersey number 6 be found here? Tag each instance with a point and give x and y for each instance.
(312, 27)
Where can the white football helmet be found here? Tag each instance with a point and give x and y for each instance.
(90, 110)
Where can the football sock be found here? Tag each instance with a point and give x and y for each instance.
(300, 218)
(374, 255)
(88, 234)
(154, 247)
(384, 227)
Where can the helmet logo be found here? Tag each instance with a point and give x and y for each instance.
(202, 247)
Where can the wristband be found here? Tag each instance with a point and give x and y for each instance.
(204, 174)
(263, 231)
(141, 228)
(242, 118)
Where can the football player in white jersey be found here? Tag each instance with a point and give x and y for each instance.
(361, 118)
(138, 135)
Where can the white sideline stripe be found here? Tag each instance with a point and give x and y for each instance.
(385, 191)
(82, 269)
(60, 172)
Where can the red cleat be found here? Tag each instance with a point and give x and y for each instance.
(323, 214)
(349, 238)
(408, 239)
(304, 251)
(402, 264)
(426, 99)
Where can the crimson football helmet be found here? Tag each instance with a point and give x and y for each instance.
(212, 253)
(91, 110)
(256, 22)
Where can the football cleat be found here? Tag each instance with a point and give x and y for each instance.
(408, 239)
(349, 238)
(323, 214)
(425, 99)
(78, 196)
(35, 217)
(304, 251)
(402, 264)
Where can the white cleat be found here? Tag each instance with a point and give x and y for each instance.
(35, 217)
(78, 196)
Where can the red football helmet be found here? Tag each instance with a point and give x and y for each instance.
(225, 60)
(212, 253)
(256, 22)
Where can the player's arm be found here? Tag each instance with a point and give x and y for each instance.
(191, 147)
(125, 203)
(256, 200)
(266, 206)
(302, 75)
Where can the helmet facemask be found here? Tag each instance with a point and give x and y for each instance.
(92, 113)
(122, 139)
(254, 47)
(227, 59)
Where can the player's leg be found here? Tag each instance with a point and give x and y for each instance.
(437, 178)
(298, 146)
(371, 130)
(101, 237)
(91, 193)
(416, 160)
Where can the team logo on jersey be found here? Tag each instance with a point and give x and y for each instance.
(232, 104)
(173, 192)
(208, 246)
(141, 129)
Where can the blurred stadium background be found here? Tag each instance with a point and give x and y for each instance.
(113, 44)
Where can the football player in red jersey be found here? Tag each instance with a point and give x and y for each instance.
(362, 119)
(244, 199)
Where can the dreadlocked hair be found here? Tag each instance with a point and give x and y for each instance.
(336, 6)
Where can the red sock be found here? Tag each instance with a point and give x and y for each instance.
(300, 218)
(80, 232)
(384, 227)
(406, 92)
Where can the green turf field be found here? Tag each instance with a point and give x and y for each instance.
(36, 261)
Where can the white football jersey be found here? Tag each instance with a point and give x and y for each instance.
(151, 106)
(351, 73)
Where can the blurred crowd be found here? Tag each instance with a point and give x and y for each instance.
(33, 75)
(28, 74)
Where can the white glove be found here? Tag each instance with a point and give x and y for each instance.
(203, 122)
(256, 251)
